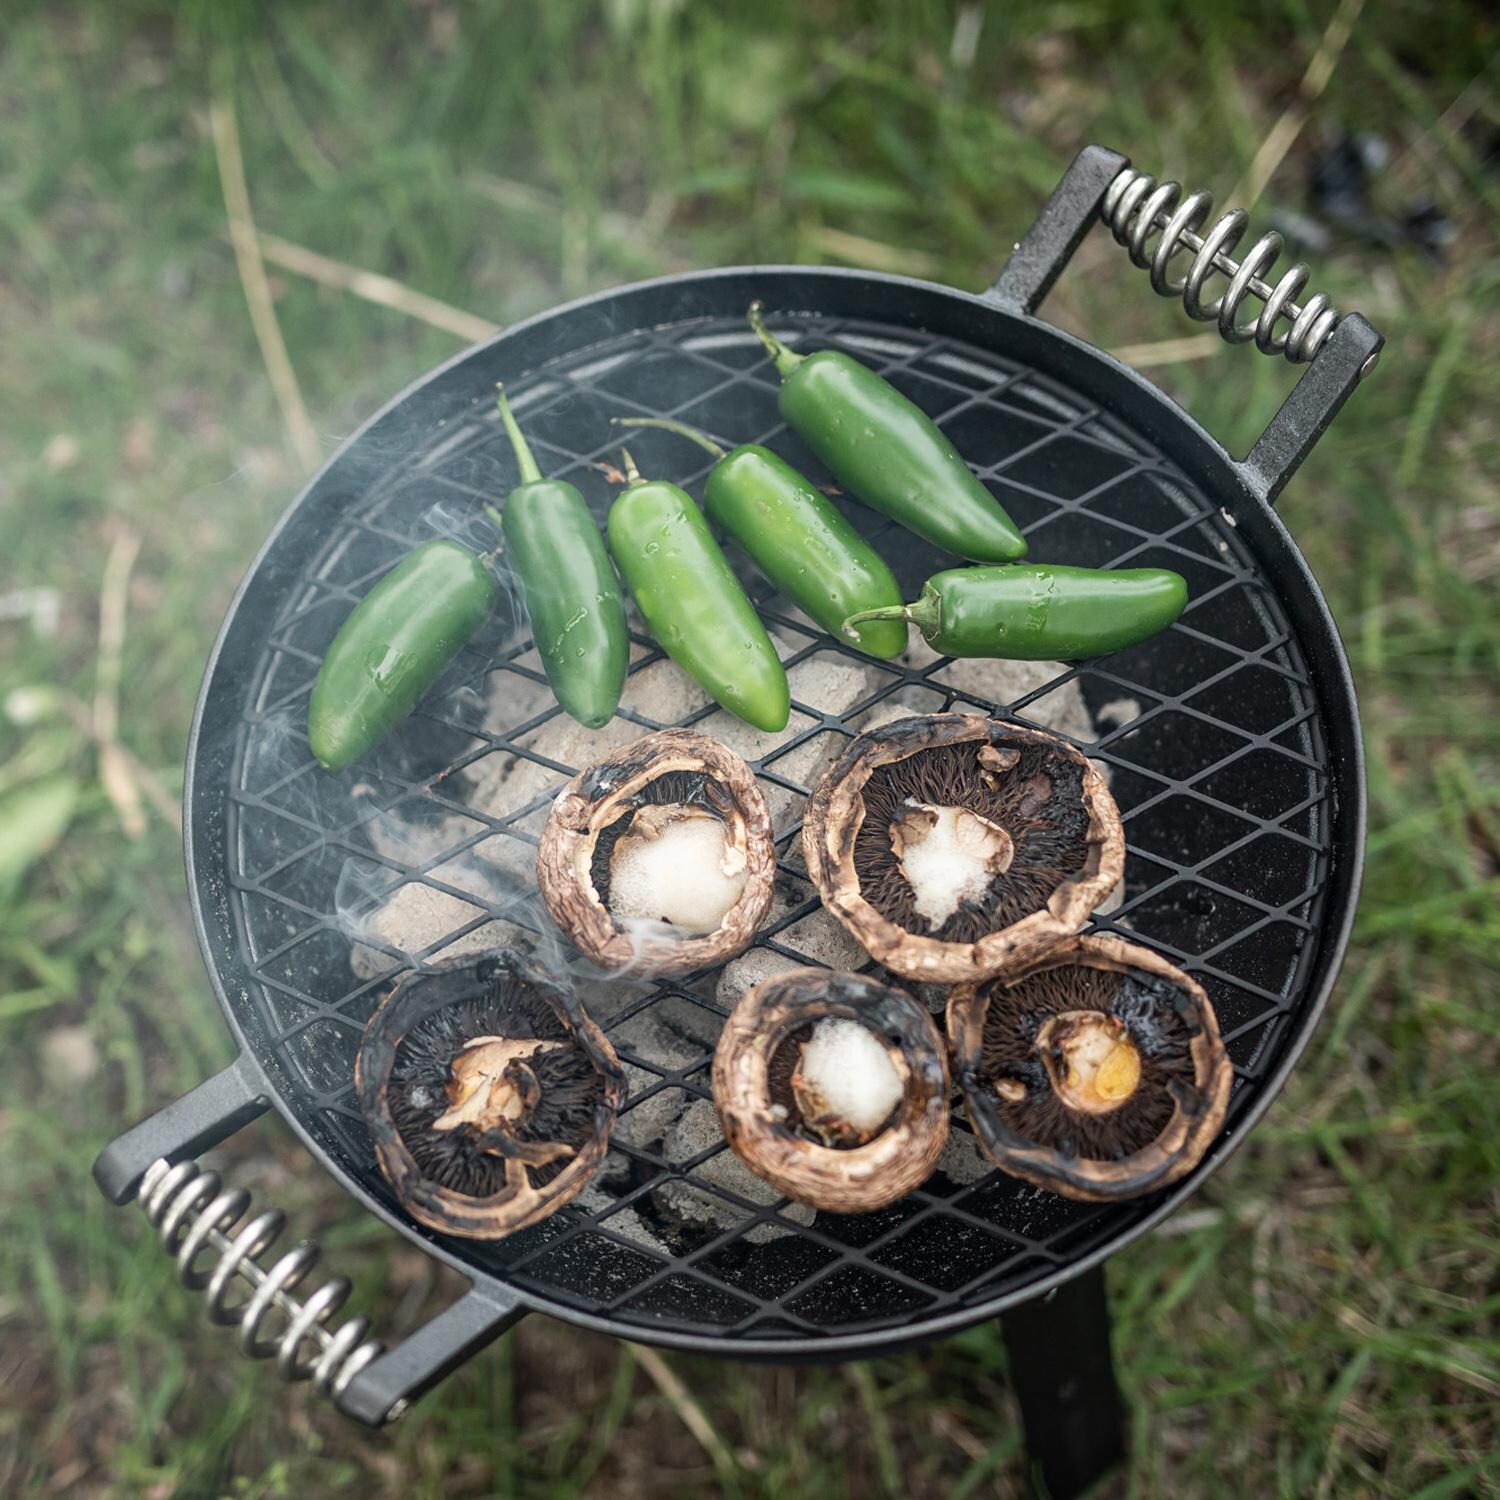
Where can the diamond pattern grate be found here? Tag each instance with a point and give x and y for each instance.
(1211, 736)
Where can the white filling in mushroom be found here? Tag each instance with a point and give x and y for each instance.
(846, 1083)
(948, 855)
(676, 867)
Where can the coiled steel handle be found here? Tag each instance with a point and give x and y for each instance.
(1160, 227)
(1139, 210)
(199, 1224)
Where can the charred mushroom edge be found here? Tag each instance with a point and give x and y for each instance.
(600, 795)
(521, 1203)
(859, 1179)
(1197, 1116)
(835, 814)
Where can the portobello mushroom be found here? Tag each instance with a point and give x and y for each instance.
(954, 846)
(659, 857)
(1096, 1070)
(489, 1093)
(834, 1088)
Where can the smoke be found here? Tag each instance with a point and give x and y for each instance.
(433, 912)
(460, 520)
(463, 704)
(429, 894)
(276, 751)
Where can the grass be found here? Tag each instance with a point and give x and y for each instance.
(1323, 1320)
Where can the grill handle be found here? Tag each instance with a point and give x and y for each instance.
(1340, 350)
(382, 1390)
(197, 1122)
(222, 1250)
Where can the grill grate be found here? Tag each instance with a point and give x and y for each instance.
(1211, 735)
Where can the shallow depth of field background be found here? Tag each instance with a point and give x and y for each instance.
(1322, 1320)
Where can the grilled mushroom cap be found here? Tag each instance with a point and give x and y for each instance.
(489, 1093)
(673, 785)
(775, 1114)
(954, 846)
(1096, 1071)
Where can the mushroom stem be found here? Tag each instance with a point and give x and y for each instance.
(482, 1088)
(846, 1084)
(1093, 1063)
(948, 855)
(676, 865)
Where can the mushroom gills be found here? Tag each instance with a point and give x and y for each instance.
(464, 1096)
(675, 865)
(1085, 1061)
(959, 841)
(948, 855)
(845, 1084)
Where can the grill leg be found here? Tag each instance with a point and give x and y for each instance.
(1064, 1379)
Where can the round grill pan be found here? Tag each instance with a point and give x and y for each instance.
(1231, 742)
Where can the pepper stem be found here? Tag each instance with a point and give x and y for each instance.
(783, 357)
(692, 434)
(850, 627)
(530, 474)
(922, 612)
(632, 474)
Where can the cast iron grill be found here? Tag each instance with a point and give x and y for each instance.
(1230, 741)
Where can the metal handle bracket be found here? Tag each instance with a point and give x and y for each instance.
(1042, 253)
(1313, 403)
(383, 1389)
(198, 1121)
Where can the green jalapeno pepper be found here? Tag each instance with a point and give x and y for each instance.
(888, 452)
(694, 605)
(393, 646)
(795, 535)
(571, 592)
(1035, 612)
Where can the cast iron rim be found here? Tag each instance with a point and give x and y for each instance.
(1096, 376)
